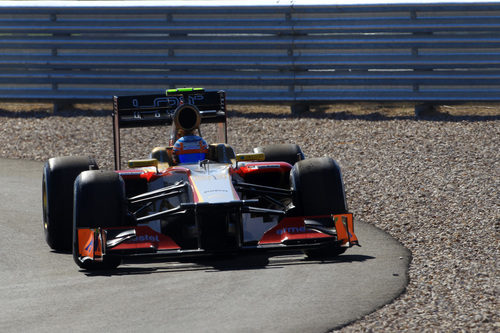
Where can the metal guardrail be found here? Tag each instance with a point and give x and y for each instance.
(273, 53)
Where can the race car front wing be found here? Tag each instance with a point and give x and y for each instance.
(297, 233)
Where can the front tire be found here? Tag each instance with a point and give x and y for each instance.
(99, 202)
(319, 190)
(59, 174)
(319, 187)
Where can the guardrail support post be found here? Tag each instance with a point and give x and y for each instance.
(298, 109)
(57, 105)
(424, 109)
(171, 52)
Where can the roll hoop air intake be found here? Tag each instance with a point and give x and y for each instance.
(187, 117)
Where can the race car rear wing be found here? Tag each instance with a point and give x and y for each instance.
(159, 110)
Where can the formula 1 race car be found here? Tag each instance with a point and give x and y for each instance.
(190, 197)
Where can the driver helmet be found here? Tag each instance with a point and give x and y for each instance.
(190, 149)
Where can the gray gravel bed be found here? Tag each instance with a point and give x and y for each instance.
(433, 184)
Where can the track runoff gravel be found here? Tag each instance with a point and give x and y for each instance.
(431, 183)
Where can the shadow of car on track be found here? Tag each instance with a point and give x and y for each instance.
(137, 266)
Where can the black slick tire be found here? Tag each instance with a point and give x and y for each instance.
(318, 185)
(59, 174)
(319, 190)
(99, 202)
(285, 152)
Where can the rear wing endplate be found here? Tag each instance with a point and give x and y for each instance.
(159, 110)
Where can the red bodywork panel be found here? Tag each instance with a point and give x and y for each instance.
(294, 228)
(147, 238)
(243, 169)
(246, 168)
(151, 175)
(290, 228)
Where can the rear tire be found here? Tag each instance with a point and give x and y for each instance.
(99, 202)
(319, 190)
(59, 174)
(286, 152)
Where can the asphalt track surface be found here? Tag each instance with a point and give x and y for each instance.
(44, 291)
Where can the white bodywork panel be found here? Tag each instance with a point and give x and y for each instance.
(212, 183)
(255, 227)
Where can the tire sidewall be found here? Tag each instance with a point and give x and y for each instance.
(59, 174)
